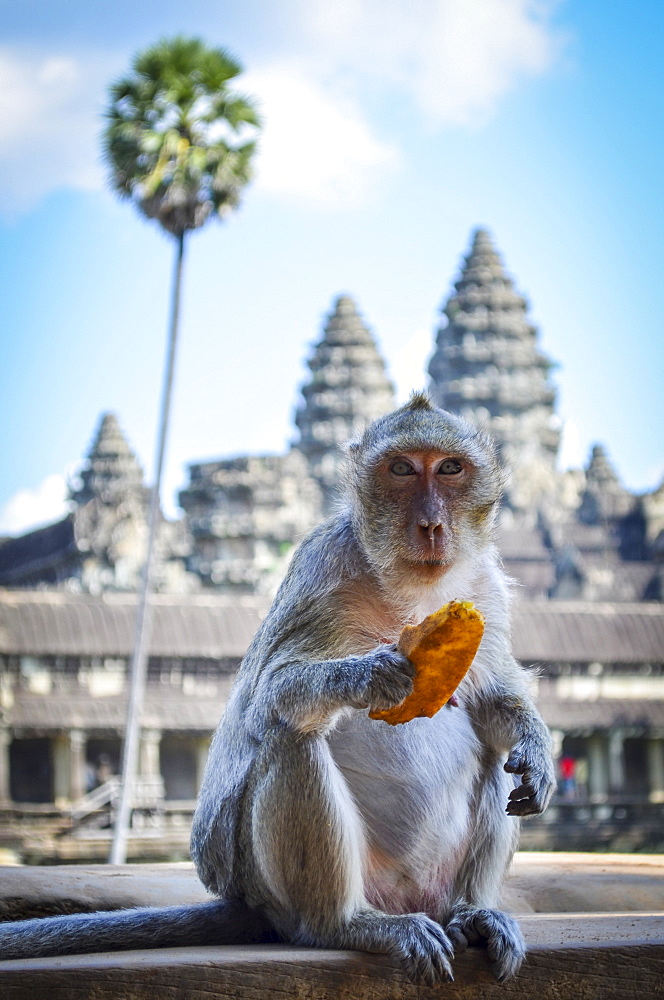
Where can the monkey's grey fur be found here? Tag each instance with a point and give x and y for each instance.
(318, 825)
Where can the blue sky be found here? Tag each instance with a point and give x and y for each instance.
(393, 128)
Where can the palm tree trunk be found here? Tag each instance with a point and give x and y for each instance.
(139, 661)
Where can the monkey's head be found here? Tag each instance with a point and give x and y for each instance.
(425, 487)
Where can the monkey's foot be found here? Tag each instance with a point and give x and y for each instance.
(420, 945)
(499, 932)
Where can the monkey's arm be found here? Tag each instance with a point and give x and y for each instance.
(529, 757)
(305, 693)
(507, 721)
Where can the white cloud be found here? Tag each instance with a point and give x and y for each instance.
(49, 125)
(29, 509)
(454, 58)
(316, 144)
(451, 60)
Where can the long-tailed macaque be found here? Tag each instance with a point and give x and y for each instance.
(318, 825)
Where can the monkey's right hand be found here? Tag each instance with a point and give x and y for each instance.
(390, 678)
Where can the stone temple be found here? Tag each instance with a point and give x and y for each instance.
(488, 367)
(348, 389)
(586, 555)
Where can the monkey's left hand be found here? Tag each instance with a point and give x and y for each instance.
(533, 763)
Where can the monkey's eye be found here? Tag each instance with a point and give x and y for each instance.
(401, 468)
(450, 467)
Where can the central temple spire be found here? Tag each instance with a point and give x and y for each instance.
(488, 367)
(347, 390)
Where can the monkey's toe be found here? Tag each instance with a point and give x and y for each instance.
(424, 950)
(500, 934)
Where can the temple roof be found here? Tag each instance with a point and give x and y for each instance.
(174, 709)
(64, 624)
(215, 626)
(34, 553)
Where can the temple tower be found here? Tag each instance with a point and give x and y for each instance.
(347, 390)
(245, 516)
(604, 499)
(110, 521)
(111, 471)
(488, 367)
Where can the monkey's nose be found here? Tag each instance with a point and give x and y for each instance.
(431, 527)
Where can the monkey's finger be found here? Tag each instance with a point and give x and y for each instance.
(524, 807)
(515, 764)
(524, 791)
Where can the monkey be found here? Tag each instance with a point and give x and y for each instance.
(319, 826)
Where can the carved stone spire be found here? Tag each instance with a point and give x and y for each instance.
(112, 470)
(488, 367)
(604, 498)
(348, 389)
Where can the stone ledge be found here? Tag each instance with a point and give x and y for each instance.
(596, 957)
(617, 954)
(538, 883)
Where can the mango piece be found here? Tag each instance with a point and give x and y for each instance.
(442, 648)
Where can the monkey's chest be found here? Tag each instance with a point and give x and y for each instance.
(412, 785)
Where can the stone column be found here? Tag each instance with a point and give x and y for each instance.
(655, 750)
(77, 776)
(557, 737)
(202, 749)
(5, 740)
(149, 753)
(616, 762)
(61, 770)
(598, 770)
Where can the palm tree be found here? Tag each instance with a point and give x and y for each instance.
(179, 144)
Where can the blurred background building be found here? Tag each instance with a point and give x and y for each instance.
(586, 554)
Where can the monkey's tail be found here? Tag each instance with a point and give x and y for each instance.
(216, 922)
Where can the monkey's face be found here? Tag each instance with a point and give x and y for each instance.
(427, 487)
(424, 496)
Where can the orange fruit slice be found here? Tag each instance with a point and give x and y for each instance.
(442, 648)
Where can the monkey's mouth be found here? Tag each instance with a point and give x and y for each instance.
(428, 564)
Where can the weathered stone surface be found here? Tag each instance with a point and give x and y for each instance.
(46, 891)
(245, 516)
(595, 957)
(538, 883)
(542, 882)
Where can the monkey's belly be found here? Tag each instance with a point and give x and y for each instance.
(413, 786)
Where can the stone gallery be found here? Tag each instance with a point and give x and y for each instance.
(586, 554)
